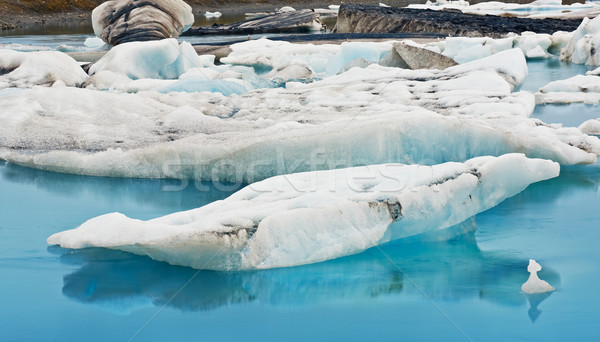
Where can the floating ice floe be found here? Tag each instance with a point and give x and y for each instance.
(315, 216)
(534, 284)
(285, 9)
(209, 15)
(362, 116)
(583, 45)
(45, 68)
(124, 21)
(536, 9)
(579, 88)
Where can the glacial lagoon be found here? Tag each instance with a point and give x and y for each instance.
(459, 284)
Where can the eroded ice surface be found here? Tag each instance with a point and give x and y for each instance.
(362, 116)
(314, 216)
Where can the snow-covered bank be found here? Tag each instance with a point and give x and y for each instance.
(310, 217)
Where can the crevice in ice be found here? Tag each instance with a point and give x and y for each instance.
(6, 69)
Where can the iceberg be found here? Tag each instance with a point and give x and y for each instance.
(314, 216)
(118, 22)
(39, 68)
(582, 47)
(364, 116)
(163, 59)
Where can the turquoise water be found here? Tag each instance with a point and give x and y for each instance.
(413, 289)
(426, 288)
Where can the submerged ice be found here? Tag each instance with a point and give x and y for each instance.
(315, 216)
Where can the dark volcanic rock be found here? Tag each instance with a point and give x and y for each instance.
(375, 19)
(286, 22)
(122, 21)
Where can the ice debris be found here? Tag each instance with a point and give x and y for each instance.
(535, 284)
(315, 216)
(209, 14)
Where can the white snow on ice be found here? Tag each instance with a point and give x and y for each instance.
(315, 216)
(362, 116)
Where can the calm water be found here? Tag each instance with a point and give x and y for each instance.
(419, 288)
(427, 288)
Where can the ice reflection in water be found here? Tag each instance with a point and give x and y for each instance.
(447, 270)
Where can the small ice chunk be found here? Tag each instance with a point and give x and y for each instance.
(535, 284)
(286, 9)
(208, 14)
(94, 42)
